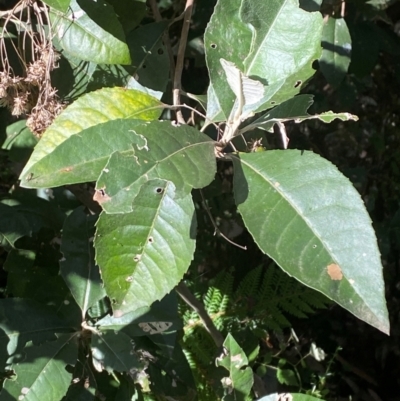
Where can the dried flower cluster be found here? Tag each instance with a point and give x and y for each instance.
(31, 94)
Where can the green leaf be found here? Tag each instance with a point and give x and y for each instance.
(336, 54)
(114, 351)
(90, 30)
(287, 376)
(275, 44)
(59, 5)
(288, 110)
(20, 142)
(180, 154)
(81, 158)
(240, 381)
(41, 373)
(13, 226)
(295, 110)
(133, 84)
(77, 266)
(89, 110)
(23, 320)
(144, 254)
(308, 217)
(150, 62)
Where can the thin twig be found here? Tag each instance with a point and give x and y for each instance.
(217, 230)
(176, 95)
(8, 13)
(199, 308)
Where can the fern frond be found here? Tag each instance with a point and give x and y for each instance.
(251, 282)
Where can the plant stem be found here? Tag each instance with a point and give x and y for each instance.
(176, 95)
(199, 308)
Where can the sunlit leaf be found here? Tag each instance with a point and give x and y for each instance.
(41, 373)
(144, 254)
(240, 380)
(159, 149)
(89, 110)
(90, 31)
(309, 218)
(275, 43)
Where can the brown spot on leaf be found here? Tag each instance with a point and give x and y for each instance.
(66, 169)
(334, 271)
(100, 196)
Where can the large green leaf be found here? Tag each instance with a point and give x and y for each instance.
(336, 43)
(77, 266)
(308, 217)
(90, 30)
(89, 110)
(145, 253)
(275, 43)
(41, 373)
(114, 351)
(80, 158)
(180, 154)
(23, 320)
(240, 381)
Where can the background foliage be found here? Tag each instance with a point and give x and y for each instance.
(357, 73)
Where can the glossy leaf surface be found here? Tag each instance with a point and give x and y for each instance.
(275, 43)
(81, 158)
(91, 31)
(159, 149)
(89, 110)
(309, 218)
(143, 254)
